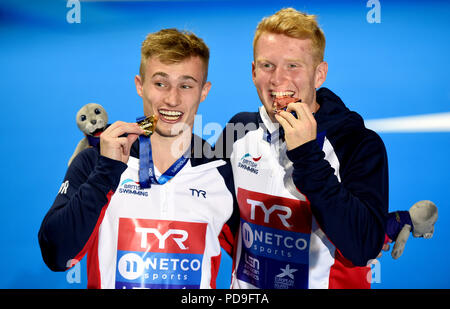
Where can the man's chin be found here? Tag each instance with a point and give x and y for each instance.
(270, 112)
(174, 131)
(168, 133)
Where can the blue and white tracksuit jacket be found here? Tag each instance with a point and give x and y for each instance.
(311, 217)
(166, 236)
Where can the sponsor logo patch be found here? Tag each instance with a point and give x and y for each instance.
(159, 253)
(249, 163)
(275, 235)
(129, 186)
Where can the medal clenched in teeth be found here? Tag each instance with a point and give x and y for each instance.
(282, 99)
(148, 124)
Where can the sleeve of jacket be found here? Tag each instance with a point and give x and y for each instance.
(228, 234)
(351, 212)
(235, 129)
(72, 222)
(238, 126)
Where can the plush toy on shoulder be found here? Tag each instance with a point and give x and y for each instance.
(92, 120)
(419, 220)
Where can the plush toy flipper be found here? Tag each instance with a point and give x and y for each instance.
(83, 144)
(400, 242)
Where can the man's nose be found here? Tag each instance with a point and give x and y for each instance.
(277, 77)
(172, 98)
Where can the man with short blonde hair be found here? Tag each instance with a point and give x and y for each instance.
(295, 24)
(172, 46)
(147, 213)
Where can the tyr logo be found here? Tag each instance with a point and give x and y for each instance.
(286, 211)
(197, 193)
(64, 187)
(182, 236)
(274, 211)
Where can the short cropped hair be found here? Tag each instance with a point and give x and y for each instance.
(294, 24)
(172, 46)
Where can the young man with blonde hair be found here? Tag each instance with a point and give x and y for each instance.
(313, 192)
(147, 210)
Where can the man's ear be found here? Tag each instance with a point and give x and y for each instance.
(253, 71)
(205, 90)
(139, 85)
(321, 74)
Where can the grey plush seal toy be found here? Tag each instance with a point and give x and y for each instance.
(92, 120)
(419, 221)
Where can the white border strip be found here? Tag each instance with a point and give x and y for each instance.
(420, 123)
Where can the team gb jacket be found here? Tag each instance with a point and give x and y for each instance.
(311, 217)
(166, 236)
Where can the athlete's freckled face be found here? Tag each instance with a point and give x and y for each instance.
(285, 66)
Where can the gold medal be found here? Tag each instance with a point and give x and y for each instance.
(148, 124)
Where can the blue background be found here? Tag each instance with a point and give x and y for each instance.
(49, 68)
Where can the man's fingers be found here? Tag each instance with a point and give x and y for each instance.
(113, 143)
(119, 128)
(123, 128)
(132, 138)
(112, 127)
(288, 117)
(283, 122)
(302, 110)
(300, 130)
(126, 146)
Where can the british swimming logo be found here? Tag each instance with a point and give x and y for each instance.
(159, 253)
(129, 186)
(249, 163)
(247, 155)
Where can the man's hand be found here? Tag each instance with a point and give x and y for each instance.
(386, 247)
(115, 147)
(297, 131)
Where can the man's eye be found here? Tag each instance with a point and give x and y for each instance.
(186, 86)
(295, 66)
(159, 84)
(266, 66)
